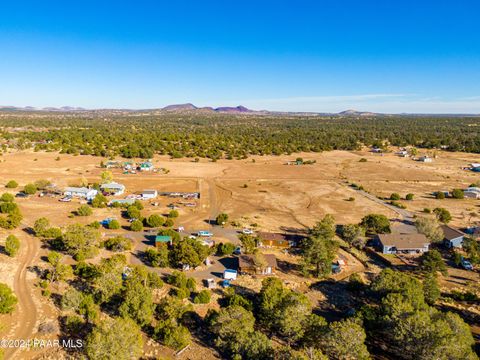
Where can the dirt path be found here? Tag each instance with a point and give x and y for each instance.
(405, 215)
(26, 309)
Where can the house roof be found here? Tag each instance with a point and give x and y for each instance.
(271, 236)
(450, 233)
(83, 190)
(404, 241)
(248, 261)
(150, 192)
(163, 238)
(113, 186)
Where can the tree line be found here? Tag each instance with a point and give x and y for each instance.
(141, 135)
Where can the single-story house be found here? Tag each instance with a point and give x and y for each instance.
(472, 193)
(149, 194)
(146, 166)
(252, 264)
(112, 164)
(163, 239)
(452, 237)
(403, 243)
(425, 159)
(80, 192)
(113, 188)
(266, 239)
(122, 201)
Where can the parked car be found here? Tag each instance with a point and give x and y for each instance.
(21, 195)
(238, 251)
(247, 231)
(66, 199)
(204, 233)
(467, 265)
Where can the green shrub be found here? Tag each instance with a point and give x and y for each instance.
(118, 243)
(203, 297)
(224, 249)
(12, 245)
(409, 197)
(7, 197)
(182, 293)
(173, 214)
(395, 196)
(114, 225)
(30, 189)
(84, 210)
(440, 195)
(457, 194)
(136, 225)
(12, 184)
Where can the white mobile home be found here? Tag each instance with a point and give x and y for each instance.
(113, 188)
(149, 194)
(80, 192)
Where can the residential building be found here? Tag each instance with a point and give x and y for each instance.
(266, 239)
(146, 166)
(472, 193)
(425, 159)
(122, 201)
(452, 237)
(403, 243)
(113, 188)
(149, 194)
(259, 264)
(80, 192)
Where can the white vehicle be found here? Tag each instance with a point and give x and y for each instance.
(66, 199)
(204, 233)
(247, 231)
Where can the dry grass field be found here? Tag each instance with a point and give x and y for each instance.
(260, 190)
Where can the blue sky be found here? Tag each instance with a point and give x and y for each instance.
(386, 56)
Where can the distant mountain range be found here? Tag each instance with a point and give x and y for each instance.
(189, 108)
(223, 109)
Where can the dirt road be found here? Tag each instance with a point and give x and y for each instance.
(26, 313)
(405, 215)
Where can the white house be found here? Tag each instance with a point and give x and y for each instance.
(472, 193)
(146, 166)
(149, 194)
(113, 188)
(80, 192)
(403, 243)
(425, 159)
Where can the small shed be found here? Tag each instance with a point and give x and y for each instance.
(229, 274)
(163, 239)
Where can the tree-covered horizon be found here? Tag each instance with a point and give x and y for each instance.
(216, 136)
